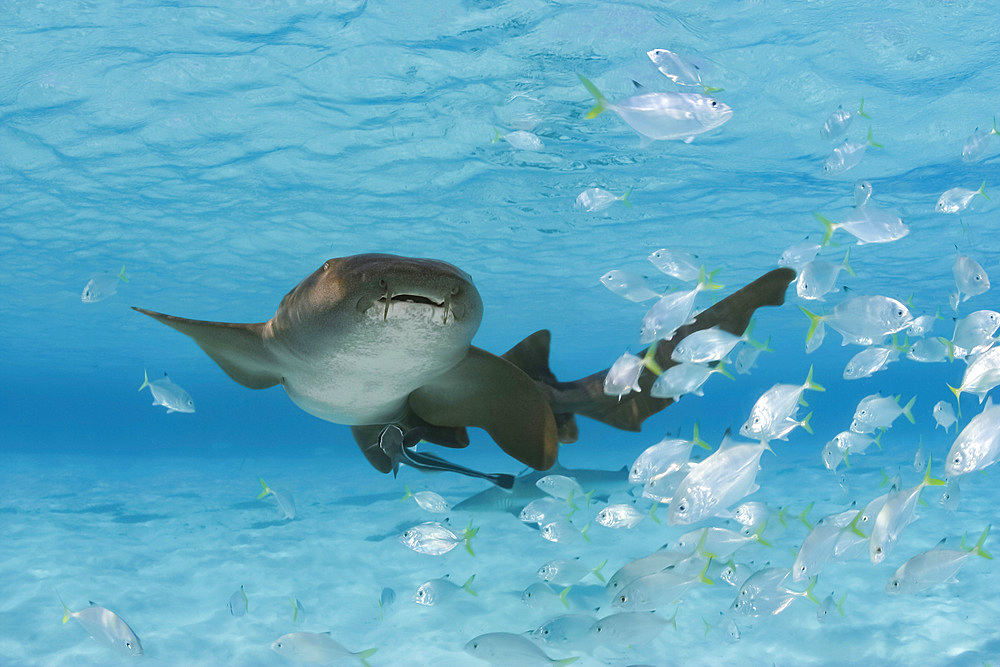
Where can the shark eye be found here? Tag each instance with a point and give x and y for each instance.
(381, 282)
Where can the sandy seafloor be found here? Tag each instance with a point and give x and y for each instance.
(166, 541)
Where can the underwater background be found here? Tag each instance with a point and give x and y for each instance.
(222, 151)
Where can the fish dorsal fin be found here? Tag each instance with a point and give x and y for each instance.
(238, 349)
(491, 393)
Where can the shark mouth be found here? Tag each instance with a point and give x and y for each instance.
(441, 308)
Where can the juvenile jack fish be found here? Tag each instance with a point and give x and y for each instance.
(710, 345)
(628, 285)
(675, 68)
(595, 200)
(434, 539)
(724, 477)
(623, 376)
(286, 504)
(875, 411)
(978, 445)
(837, 123)
(666, 456)
(981, 376)
(819, 277)
(934, 567)
(428, 501)
(970, 277)
(169, 395)
(764, 593)
(897, 513)
(437, 591)
(944, 415)
(658, 116)
(676, 264)
(863, 320)
(869, 361)
(316, 647)
(685, 379)
(974, 333)
(977, 145)
(847, 156)
(106, 627)
(506, 648)
(799, 255)
(957, 200)
(775, 408)
(100, 287)
(521, 140)
(867, 224)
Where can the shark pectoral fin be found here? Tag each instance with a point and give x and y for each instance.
(367, 439)
(238, 349)
(491, 393)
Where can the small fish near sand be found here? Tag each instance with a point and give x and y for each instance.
(286, 504)
(316, 648)
(106, 627)
(169, 395)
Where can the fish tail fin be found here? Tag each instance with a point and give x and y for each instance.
(762, 346)
(958, 395)
(980, 191)
(872, 142)
(145, 380)
(562, 595)
(467, 586)
(721, 368)
(363, 656)
(908, 410)
(978, 549)
(809, 591)
(124, 278)
(652, 513)
(649, 360)
(781, 516)
(885, 478)
(597, 570)
(707, 280)
(66, 615)
(703, 577)
(854, 525)
(805, 424)
(878, 439)
(829, 227)
(948, 344)
(586, 396)
(928, 480)
(840, 605)
(696, 439)
(584, 531)
(759, 534)
(467, 536)
(626, 201)
(846, 264)
(565, 661)
(266, 488)
(497, 137)
(602, 103)
(804, 516)
(846, 461)
(861, 109)
(814, 321)
(673, 619)
(809, 384)
(994, 130)
(708, 626)
(407, 493)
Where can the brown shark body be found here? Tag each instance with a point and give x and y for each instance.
(371, 340)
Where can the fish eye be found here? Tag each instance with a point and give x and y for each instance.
(895, 584)
(714, 104)
(802, 568)
(128, 644)
(277, 645)
(623, 599)
(381, 282)
(878, 550)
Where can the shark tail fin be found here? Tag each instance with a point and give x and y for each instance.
(586, 396)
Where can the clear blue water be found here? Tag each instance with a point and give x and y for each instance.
(222, 151)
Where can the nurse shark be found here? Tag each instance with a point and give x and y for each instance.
(375, 340)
